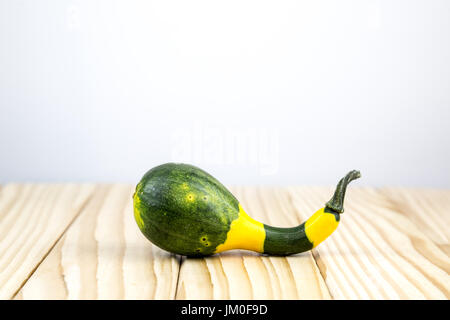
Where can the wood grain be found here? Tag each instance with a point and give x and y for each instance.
(81, 242)
(377, 252)
(427, 208)
(32, 218)
(104, 256)
(242, 274)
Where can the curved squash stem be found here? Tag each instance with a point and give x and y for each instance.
(336, 203)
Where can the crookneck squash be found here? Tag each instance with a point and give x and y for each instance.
(185, 210)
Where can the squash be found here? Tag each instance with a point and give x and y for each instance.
(184, 210)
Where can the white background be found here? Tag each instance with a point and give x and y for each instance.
(254, 92)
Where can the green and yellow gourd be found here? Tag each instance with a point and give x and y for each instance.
(184, 210)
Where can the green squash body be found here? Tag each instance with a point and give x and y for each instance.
(183, 209)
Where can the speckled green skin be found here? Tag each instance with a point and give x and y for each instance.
(183, 209)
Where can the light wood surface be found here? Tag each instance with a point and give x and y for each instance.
(426, 208)
(377, 252)
(32, 218)
(104, 256)
(81, 242)
(247, 275)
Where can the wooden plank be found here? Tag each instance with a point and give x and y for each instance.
(427, 208)
(390, 245)
(377, 252)
(32, 218)
(105, 256)
(242, 274)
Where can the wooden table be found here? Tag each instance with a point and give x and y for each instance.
(71, 241)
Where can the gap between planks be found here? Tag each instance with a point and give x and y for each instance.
(300, 276)
(240, 274)
(103, 255)
(78, 213)
(296, 205)
(375, 253)
(30, 225)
